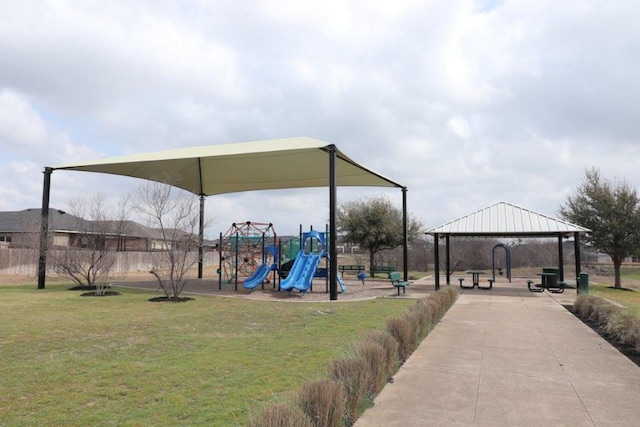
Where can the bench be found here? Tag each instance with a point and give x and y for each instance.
(396, 280)
(487, 287)
(350, 267)
(382, 269)
(534, 287)
(461, 279)
(558, 288)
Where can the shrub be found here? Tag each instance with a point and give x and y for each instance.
(624, 327)
(390, 346)
(584, 304)
(281, 415)
(422, 314)
(353, 374)
(403, 330)
(375, 356)
(323, 401)
(601, 312)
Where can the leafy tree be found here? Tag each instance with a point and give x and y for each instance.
(374, 224)
(174, 214)
(611, 211)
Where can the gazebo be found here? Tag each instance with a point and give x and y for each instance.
(503, 220)
(229, 168)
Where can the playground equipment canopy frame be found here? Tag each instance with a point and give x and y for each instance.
(299, 162)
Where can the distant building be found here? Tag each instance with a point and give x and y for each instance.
(21, 229)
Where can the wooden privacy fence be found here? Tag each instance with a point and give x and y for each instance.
(24, 262)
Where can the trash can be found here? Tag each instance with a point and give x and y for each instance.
(583, 283)
(551, 281)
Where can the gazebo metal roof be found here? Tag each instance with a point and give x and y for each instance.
(506, 219)
(503, 219)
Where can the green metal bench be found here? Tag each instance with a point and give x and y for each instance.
(396, 280)
(351, 267)
(382, 269)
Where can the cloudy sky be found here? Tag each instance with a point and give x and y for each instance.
(465, 102)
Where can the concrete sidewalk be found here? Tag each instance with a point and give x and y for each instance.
(510, 357)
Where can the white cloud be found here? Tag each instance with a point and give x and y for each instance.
(465, 102)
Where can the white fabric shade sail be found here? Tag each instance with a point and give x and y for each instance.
(230, 168)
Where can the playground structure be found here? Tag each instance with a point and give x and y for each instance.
(306, 264)
(246, 248)
(250, 252)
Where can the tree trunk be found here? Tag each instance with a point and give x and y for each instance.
(616, 268)
(371, 264)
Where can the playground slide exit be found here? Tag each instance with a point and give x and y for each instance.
(257, 278)
(301, 275)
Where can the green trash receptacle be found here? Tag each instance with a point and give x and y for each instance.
(583, 283)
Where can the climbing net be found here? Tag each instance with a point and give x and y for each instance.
(242, 248)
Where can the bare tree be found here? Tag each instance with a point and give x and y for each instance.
(174, 215)
(91, 253)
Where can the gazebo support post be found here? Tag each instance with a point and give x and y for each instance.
(44, 228)
(560, 259)
(201, 238)
(576, 250)
(333, 259)
(447, 242)
(436, 264)
(405, 250)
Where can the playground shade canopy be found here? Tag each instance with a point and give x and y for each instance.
(247, 166)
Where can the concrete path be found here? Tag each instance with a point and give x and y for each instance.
(510, 357)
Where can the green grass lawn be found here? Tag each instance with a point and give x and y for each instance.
(628, 297)
(125, 361)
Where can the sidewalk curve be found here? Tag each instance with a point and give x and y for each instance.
(509, 357)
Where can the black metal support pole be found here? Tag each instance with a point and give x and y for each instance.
(333, 260)
(44, 228)
(405, 244)
(220, 272)
(447, 242)
(436, 255)
(560, 260)
(576, 249)
(201, 238)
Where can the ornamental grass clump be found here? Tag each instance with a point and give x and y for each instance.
(624, 326)
(422, 314)
(390, 346)
(323, 401)
(403, 330)
(281, 415)
(353, 374)
(584, 305)
(621, 325)
(377, 364)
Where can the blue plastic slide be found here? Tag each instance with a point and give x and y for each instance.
(306, 277)
(295, 272)
(342, 285)
(257, 277)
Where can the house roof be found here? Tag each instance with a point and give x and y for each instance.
(505, 219)
(28, 220)
(229, 168)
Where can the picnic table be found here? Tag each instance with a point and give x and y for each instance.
(475, 280)
(475, 276)
(549, 281)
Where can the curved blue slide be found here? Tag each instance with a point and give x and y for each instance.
(306, 277)
(257, 277)
(295, 272)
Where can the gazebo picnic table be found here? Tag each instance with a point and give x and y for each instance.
(475, 276)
